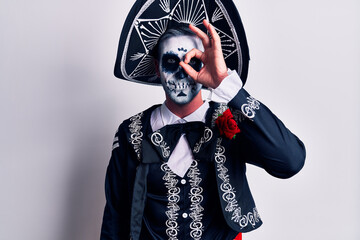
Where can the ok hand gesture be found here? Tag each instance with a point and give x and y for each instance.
(214, 69)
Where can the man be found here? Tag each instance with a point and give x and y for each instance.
(172, 175)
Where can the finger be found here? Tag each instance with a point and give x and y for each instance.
(203, 36)
(193, 53)
(189, 70)
(215, 38)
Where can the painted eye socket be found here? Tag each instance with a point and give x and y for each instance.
(170, 62)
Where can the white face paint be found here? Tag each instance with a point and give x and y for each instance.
(180, 87)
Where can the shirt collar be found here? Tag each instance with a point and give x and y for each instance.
(170, 118)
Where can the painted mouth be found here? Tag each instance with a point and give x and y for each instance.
(180, 86)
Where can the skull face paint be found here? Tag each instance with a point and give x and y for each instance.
(180, 87)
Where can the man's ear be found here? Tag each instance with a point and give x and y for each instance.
(157, 67)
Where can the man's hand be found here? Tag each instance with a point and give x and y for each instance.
(214, 69)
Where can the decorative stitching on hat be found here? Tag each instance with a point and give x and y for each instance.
(233, 31)
(165, 5)
(188, 12)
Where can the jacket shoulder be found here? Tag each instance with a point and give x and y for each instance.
(140, 117)
(133, 130)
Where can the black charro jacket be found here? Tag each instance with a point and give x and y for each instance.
(263, 141)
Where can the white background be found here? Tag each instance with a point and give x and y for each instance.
(60, 106)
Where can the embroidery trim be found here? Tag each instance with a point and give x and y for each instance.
(158, 140)
(115, 145)
(208, 134)
(217, 15)
(173, 198)
(115, 141)
(248, 109)
(165, 5)
(228, 190)
(219, 110)
(196, 198)
(233, 31)
(238, 115)
(136, 135)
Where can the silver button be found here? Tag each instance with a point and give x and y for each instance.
(184, 215)
(183, 181)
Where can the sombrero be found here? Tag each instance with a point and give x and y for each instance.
(149, 19)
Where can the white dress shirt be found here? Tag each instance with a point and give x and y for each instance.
(181, 157)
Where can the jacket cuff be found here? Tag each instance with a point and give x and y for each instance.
(227, 89)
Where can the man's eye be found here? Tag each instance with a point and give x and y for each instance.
(171, 61)
(195, 62)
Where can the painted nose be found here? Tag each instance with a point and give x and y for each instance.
(181, 74)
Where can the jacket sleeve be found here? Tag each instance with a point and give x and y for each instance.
(116, 219)
(264, 140)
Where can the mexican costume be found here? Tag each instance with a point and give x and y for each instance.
(146, 199)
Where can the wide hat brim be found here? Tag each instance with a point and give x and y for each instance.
(149, 19)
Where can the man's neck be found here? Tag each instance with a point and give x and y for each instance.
(186, 109)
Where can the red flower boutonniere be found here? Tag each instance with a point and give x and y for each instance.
(227, 125)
